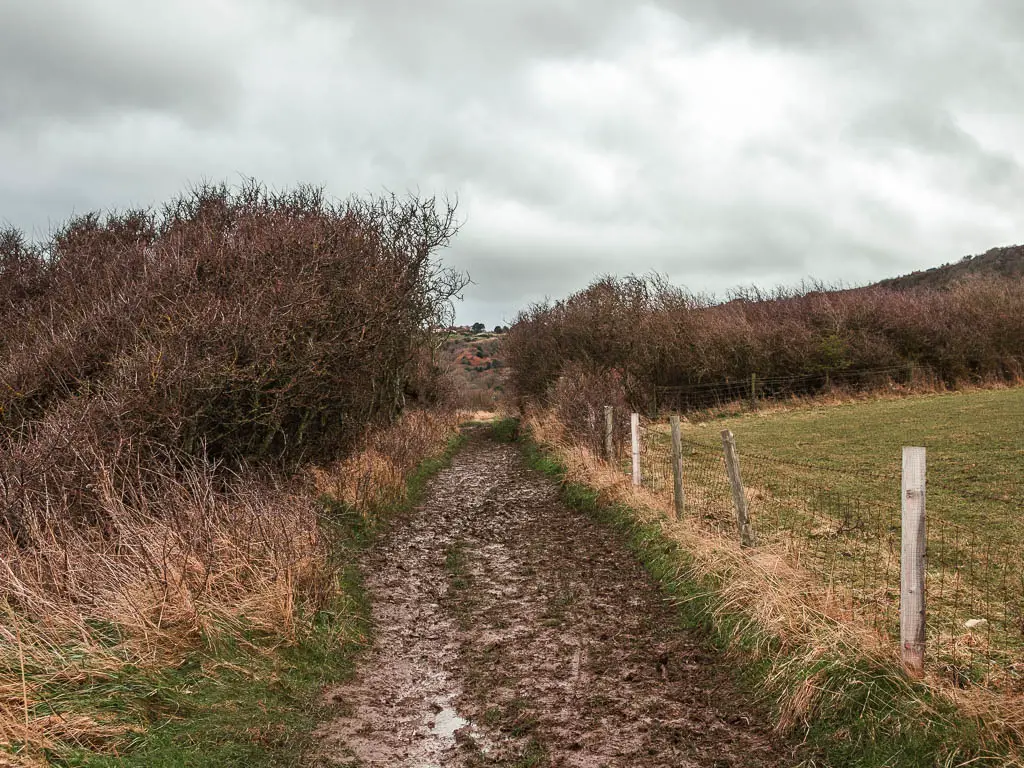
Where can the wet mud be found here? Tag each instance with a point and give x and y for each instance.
(512, 630)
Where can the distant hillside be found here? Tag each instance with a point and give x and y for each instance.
(474, 362)
(1003, 262)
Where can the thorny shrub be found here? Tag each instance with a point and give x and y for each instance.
(234, 326)
(655, 335)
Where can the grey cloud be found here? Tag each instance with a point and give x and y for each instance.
(787, 22)
(66, 59)
(916, 123)
(582, 136)
(466, 36)
(927, 129)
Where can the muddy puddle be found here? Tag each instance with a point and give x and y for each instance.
(511, 630)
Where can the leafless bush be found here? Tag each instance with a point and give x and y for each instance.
(578, 400)
(234, 326)
(655, 335)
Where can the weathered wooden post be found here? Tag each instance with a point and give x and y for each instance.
(739, 497)
(609, 433)
(677, 466)
(634, 428)
(912, 561)
(753, 390)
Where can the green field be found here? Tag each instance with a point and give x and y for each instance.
(823, 482)
(975, 439)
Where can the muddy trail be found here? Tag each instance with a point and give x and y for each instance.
(512, 630)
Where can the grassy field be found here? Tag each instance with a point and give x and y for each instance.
(823, 480)
(975, 439)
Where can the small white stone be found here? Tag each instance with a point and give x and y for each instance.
(974, 623)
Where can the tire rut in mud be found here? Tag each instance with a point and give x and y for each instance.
(512, 630)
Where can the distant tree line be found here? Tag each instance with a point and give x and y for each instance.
(480, 328)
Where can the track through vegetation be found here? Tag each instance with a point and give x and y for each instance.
(512, 630)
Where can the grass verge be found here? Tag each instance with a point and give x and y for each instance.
(823, 481)
(243, 700)
(848, 710)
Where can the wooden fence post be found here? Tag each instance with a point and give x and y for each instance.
(912, 561)
(753, 390)
(634, 428)
(677, 466)
(609, 433)
(739, 498)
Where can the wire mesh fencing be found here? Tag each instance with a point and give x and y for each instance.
(754, 388)
(843, 526)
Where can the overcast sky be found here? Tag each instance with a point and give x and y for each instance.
(721, 142)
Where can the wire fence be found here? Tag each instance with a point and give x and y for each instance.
(844, 526)
(753, 388)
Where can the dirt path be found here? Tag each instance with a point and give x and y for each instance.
(511, 630)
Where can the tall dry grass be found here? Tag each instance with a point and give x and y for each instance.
(377, 477)
(190, 559)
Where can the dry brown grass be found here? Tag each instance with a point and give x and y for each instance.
(799, 620)
(193, 563)
(205, 563)
(480, 415)
(375, 477)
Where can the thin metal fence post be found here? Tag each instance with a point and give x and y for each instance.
(677, 466)
(634, 428)
(739, 497)
(912, 561)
